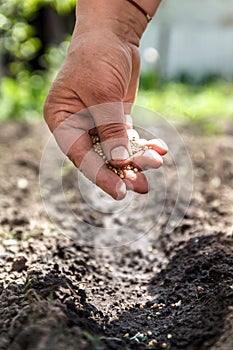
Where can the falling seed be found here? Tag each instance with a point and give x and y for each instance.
(169, 336)
(164, 345)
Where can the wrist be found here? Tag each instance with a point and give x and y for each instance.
(149, 6)
(116, 16)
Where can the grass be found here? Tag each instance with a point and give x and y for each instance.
(207, 105)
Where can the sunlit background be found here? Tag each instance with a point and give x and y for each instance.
(186, 59)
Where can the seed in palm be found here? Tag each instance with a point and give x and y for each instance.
(135, 147)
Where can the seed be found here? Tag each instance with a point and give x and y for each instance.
(149, 333)
(126, 335)
(164, 345)
(119, 171)
(116, 318)
(157, 313)
(199, 289)
(152, 342)
(149, 318)
(169, 336)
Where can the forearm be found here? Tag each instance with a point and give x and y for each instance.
(118, 16)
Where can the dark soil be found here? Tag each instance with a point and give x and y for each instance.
(164, 291)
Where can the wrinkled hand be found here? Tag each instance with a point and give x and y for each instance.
(100, 68)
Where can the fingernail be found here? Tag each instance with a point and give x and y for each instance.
(120, 190)
(119, 153)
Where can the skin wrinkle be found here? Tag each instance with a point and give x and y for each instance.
(102, 66)
(128, 24)
(120, 77)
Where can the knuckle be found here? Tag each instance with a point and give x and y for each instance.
(112, 131)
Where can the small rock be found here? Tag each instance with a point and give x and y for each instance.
(22, 183)
(5, 255)
(19, 264)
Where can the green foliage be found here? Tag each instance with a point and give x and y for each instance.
(23, 90)
(23, 96)
(205, 105)
(18, 37)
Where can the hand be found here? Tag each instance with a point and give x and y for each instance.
(102, 66)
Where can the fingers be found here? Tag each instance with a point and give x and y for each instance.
(136, 182)
(148, 159)
(111, 124)
(93, 167)
(157, 145)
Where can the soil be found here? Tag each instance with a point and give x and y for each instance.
(162, 291)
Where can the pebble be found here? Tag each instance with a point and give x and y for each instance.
(6, 255)
(19, 264)
(22, 183)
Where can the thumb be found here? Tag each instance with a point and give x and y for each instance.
(110, 122)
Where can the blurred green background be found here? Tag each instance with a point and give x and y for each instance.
(34, 37)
